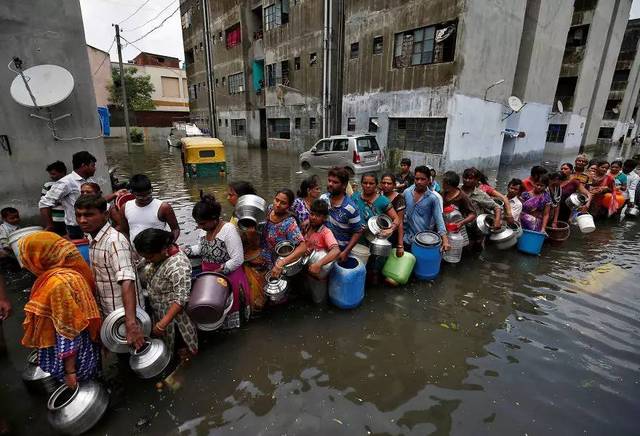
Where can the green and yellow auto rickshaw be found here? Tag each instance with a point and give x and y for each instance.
(203, 156)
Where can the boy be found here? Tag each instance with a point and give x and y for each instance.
(514, 189)
(11, 223)
(56, 170)
(404, 179)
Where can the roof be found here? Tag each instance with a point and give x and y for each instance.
(155, 54)
(97, 49)
(201, 142)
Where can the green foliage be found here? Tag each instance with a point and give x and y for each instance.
(139, 89)
(136, 135)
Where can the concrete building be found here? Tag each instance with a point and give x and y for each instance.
(27, 144)
(100, 65)
(620, 114)
(168, 79)
(431, 79)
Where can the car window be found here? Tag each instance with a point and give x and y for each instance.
(367, 144)
(323, 146)
(341, 145)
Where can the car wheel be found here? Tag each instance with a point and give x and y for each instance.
(305, 165)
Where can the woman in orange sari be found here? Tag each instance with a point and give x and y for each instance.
(62, 320)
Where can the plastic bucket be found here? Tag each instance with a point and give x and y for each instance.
(361, 252)
(560, 233)
(83, 248)
(531, 242)
(585, 222)
(15, 237)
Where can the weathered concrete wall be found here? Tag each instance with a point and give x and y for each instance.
(573, 137)
(192, 29)
(100, 66)
(611, 19)
(54, 35)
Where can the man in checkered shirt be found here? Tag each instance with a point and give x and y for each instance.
(112, 264)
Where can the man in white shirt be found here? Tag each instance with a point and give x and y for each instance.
(513, 192)
(66, 191)
(628, 168)
(56, 170)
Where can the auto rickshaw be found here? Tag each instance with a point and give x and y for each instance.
(203, 156)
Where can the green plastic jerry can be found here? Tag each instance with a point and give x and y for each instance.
(399, 269)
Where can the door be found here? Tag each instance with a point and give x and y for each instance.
(340, 155)
(263, 128)
(320, 154)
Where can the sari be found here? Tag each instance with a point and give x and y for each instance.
(61, 317)
(533, 210)
(598, 209)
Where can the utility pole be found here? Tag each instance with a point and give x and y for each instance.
(123, 87)
(213, 126)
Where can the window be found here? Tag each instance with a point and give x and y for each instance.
(341, 145)
(367, 144)
(296, 63)
(170, 86)
(207, 153)
(188, 57)
(351, 124)
(234, 36)
(278, 73)
(193, 92)
(238, 127)
(226, 122)
(276, 15)
(220, 122)
(426, 45)
(236, 83)
(424, 135)
(279, 128)
(378, 45)
(312, 123)
(606, 133)
(373, 125)
(313, 58)
(323, 146)
(284, 68)
(296, 123)
(355, 48)
(556, 132)
(223, 80)
(216, 82)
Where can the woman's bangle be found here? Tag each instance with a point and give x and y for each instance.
(159, 327)
(69, 373)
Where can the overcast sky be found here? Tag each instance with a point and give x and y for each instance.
(99, 15)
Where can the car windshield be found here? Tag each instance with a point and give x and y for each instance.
(367, 144)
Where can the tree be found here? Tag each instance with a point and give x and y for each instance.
(139, 89)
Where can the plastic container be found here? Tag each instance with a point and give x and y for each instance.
(606, 199)
(456, 242)
(83, 247)
(399, 269)
(426, 249)
(14, 238)
(585, 222)
(362, 253)
(346, 283)
(453, 215)
(531, 242)
(560, 233)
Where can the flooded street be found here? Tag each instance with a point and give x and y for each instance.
(502, 343)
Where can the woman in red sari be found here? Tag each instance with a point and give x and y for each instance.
(602, 183)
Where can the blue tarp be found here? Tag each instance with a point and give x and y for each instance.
(103, 112)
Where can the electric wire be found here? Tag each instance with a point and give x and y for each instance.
(108, 56)
(135, 12)
(152, 19)
(157, 27)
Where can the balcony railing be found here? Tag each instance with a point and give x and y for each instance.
(610, 115)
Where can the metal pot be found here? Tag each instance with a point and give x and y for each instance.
(633, 211)
(485, 223)
(151, 359)
(317, 256)
(209, 327)
(36, 378)
(275, 289)
(250, 210)
(284, 249)
(576, 200)
(376, 224)
(380, 247)
(208, 299)
(504, 238)
(499, 202)
(77, 411)
(516, 227)
(114, 334)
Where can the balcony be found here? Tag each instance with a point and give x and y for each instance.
(567, 101)
(610, 115)
(582, 17)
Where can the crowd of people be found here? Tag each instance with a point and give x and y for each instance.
(134, 259)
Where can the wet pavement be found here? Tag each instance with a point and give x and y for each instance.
(502, 343)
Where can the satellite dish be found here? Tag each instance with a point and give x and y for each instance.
(615, 110)
(515, 103)
(560, 107)
(49, 84)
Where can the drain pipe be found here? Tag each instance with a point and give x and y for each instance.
(330, 121)
(325, 46)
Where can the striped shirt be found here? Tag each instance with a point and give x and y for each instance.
(65, 192)
(112, 262)
(57, 212)
(344, 220)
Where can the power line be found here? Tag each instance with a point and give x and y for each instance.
(135, 12)
(152, 19)
(108, 56)
(157, 27)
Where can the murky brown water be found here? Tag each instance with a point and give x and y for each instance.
(502, 343)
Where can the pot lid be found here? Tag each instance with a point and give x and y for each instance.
(428, 239)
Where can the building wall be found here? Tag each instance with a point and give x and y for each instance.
(49, 37)
(157, 60)
(100, 66)
(192, 29)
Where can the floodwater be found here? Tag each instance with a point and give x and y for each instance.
(502, 343)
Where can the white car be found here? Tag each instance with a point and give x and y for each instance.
(358, 153)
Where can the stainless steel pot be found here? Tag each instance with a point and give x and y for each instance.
(275, 289)
(376, 224)
(633, 211)
(114, 334)
(315, 257)
(35, 378)
(504, 238)
(75, 411)
(284, 249)
(517, 228)
(380, 247)
(576, 200)
(209, 327)
(250, 210)
(151, 359)
(485, 223)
